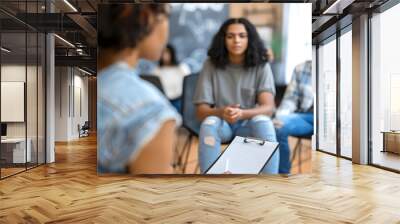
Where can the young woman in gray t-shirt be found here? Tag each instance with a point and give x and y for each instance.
(235, 92)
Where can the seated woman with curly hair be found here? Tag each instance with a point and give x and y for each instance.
(235, 92)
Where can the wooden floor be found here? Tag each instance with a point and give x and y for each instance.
(70, 191)
(10, 171)
(386, 159)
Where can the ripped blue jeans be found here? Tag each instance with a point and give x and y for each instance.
(214, 131)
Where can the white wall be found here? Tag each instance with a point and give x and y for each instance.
(12, 73)
(33, 127)
(62, 81)
(71, 93)
(297, 36)
(80, 89)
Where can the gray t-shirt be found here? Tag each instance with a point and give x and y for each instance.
(233, 85)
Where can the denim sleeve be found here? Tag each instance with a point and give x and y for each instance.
(125, 133)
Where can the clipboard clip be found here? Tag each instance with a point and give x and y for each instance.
(251, 140)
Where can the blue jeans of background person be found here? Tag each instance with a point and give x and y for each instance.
(214, 131)
(177, 103)
(297, 124)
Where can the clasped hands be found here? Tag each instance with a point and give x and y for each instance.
(232, 113)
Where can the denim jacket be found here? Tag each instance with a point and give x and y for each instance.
(130, 113)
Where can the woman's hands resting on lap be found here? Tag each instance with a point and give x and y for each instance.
(232, 113)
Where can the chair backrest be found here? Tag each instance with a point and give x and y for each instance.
(155, 80)
(86, 125)
(189, 119)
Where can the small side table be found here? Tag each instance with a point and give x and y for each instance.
(391, 141)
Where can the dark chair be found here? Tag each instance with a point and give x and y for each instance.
(189, 119)
(155, 80)
(298, 148)
(84, 130)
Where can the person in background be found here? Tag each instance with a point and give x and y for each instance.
(136, 124)
(235, 92)
(295, 113)
(171, 74)
(168, 57)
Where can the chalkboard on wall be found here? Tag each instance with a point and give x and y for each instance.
(192, 27)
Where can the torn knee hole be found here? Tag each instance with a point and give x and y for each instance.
(210, 121)
(209, 140)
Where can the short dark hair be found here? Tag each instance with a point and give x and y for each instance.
(255, 54)
(171, 49)
(125, 25)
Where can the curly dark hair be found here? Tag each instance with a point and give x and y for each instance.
(125, 25)
(255, 54)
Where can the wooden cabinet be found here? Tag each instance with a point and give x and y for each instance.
(391, 141)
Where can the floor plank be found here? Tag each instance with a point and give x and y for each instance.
(70, 191)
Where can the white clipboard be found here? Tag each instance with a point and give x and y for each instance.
(244, 156)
